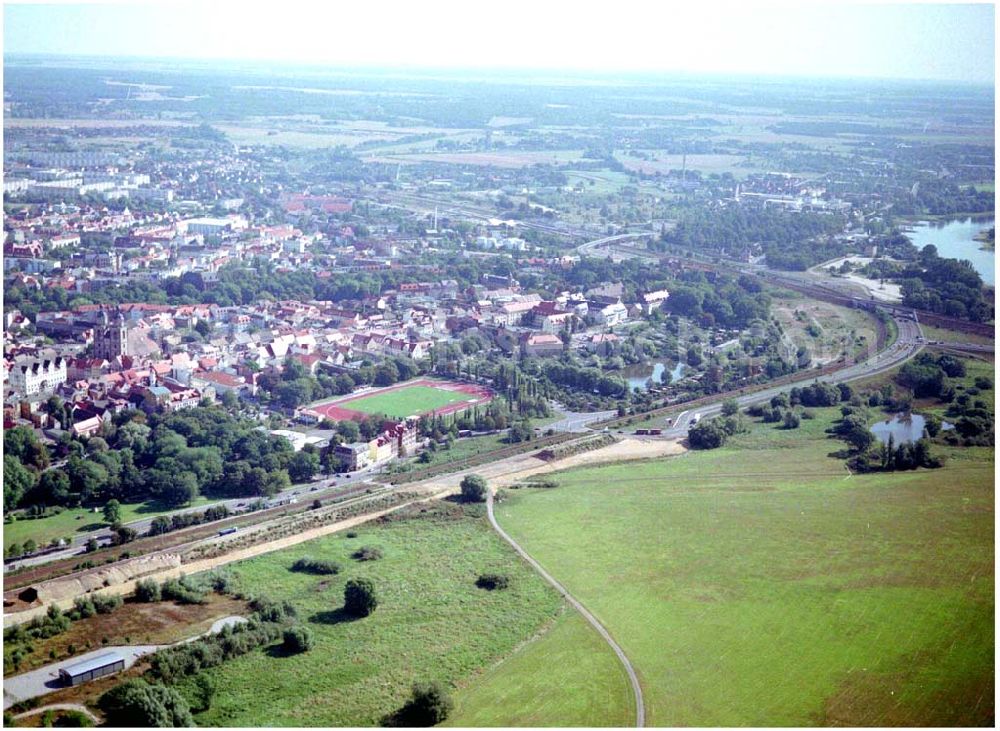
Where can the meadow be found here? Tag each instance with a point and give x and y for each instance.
(530, 688)
(432, 624)
(762, 584)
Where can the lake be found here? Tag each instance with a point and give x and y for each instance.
(639, 374)
(955, 239)
(903, 428)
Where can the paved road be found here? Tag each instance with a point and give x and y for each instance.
(577, 422)
(640, 707)
(46, 679)
(591, 248)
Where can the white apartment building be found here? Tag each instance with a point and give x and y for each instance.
(37, 375)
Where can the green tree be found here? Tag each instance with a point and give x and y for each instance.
(707, 434)
(181, 490)
(276, 482)
(53, 487)
(159, 526)
(112, 512)
(203, 692)
(348, 430)
(473, 489)
(147, 590)
(360, 599)
(295, 393)
(17, 481)
(303, 466)
(229, 399)
(297, 639)
(428, 706)
(137, 703)
(730, 407)
(21, 443)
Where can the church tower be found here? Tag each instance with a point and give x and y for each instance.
(111, 336)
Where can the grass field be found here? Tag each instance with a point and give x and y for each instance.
(953, 336)
(432, 624)
(72, 521)
(530, 688)
(406, 401)
(759, 584)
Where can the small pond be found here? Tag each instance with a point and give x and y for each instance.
(903, 428)
(638, 375)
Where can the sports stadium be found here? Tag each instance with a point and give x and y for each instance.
(412, 398)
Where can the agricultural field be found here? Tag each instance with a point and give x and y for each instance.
(294, 138)
(432, 624)
(762, 584)
(664, 163)
(512, 159)
(73, 521)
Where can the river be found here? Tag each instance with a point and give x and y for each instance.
(955, 239)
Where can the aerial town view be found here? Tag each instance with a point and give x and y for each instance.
(415, 365)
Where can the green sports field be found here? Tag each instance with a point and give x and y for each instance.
(760, 584)
(407, 401)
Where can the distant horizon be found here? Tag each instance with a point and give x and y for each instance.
(845, 40)
(418, 70)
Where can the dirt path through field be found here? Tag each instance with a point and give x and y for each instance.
(61, 707)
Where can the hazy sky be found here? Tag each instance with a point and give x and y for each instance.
(916, 41)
